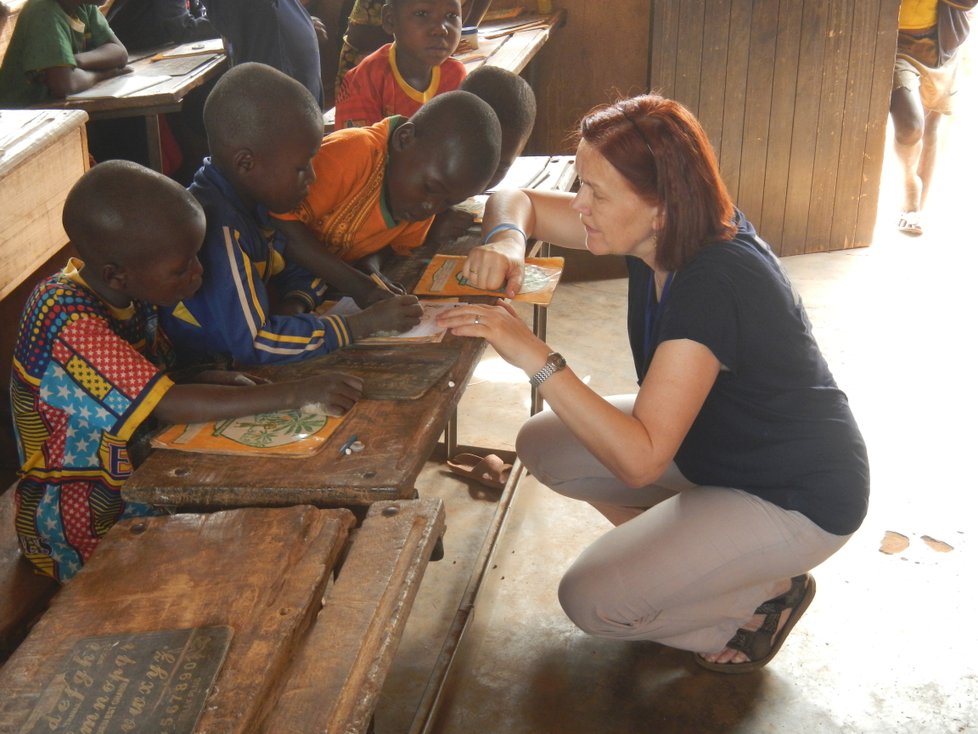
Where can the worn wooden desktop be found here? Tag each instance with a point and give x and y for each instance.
(315, 609)
(42, 154)
(398, 434)
(150, 102)
(512, 44)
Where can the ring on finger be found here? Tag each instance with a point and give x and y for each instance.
(476, 320)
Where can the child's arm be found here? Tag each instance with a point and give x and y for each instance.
(110, 55)
(335, 391)
(91, 67)
(305, 250)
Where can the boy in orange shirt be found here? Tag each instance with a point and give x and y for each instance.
(399, 77)
(381, 186)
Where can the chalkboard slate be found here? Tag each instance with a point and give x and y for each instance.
(137, 682)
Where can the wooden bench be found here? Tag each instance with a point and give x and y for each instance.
(312, 608)
(24, 595)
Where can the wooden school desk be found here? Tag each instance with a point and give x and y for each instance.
(309, 611)
(398, 432)
(409, 393)
(42, 154)
(512, 44)
(149, 102)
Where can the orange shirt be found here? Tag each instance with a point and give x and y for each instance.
(347, 205)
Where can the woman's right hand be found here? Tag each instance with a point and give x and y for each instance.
(336, 392)
(495, 265)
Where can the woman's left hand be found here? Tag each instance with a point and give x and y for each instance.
(502, 327)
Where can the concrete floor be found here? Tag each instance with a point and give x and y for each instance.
(887, 645)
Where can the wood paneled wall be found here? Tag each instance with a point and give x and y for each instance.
(794, 96)
(602, 49)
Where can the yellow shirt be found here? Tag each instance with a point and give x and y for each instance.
(918, 15)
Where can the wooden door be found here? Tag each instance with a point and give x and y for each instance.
(794, 95)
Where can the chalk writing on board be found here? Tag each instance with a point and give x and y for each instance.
(136, 682)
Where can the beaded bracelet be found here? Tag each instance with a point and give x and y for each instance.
(502, 228)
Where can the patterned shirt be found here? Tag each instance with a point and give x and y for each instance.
(85, 376)
(346, 207)
(375, 89)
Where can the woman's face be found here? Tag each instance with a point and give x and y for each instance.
(618, 221)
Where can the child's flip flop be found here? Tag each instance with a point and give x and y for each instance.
(909, 224)
(490, 471)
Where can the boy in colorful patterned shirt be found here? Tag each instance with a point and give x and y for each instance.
(399, 77)
(379, 188)
(263, 129)
(89, 363)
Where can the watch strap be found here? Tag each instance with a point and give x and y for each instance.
(554, 363)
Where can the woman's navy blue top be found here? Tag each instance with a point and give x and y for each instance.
(774, 424)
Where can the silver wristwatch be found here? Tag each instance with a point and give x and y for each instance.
(554, 363)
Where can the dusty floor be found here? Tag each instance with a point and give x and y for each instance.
(887, 646)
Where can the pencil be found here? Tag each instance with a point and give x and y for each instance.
(375, 277)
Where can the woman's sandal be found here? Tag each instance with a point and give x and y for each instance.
(762, 644)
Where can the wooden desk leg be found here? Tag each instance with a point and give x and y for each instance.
(154, 144)
(540, 330)
(451, 434)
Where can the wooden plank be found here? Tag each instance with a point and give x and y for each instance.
(398, 436)
(783, 84)
(261, 572)
(763, 42)
(665, 46)
(712, 96)
(735, 99)
(334, 682)
(43, 154)
(23, 593)
(853, 135)
(804, 132)
(835, 71)
(689, 53)
(885, 52)
(519, 49)
(600, 52)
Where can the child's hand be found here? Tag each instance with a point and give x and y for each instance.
(335, 392)
(320, 29)
(450, 225)
(392, 316)
(372, 296)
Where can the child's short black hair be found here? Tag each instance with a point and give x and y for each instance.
(509, 95)
(252, 105)
(462, 122)
(120, 211)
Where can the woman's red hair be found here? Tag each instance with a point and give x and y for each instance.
(662, 151)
